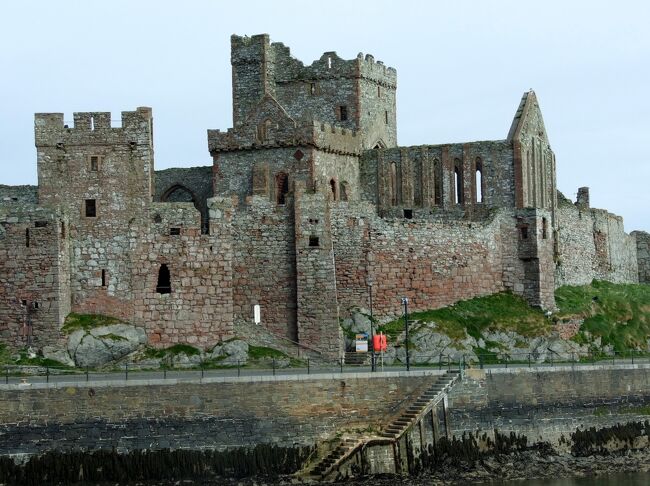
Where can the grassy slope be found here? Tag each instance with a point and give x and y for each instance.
(618, 313)
(503, 311)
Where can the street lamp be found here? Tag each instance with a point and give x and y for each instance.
(405, 302)
(372, 330)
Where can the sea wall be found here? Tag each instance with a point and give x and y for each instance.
(545, 403)
(214, 413)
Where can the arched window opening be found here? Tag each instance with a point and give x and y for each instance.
(180, 193)
(458, 182)
(478, 180)
(281, 187)
(333, 187)
(164, 280)
(343, 191)
(393, 184)
(263, 130)
(437, 182)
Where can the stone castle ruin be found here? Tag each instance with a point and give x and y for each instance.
(309, 205)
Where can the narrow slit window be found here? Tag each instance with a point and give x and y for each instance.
(343, 113)
(62, 230)
(478, 181)
(378, 91)
(103, 278)
(94, 163)
(27, 238)
(314, 241)
(91, 208)
(164, 280)
(524, 232)
(386, 116)
(281, 187)
(544, 228)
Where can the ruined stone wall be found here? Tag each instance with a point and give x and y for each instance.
(534, 161)
(423, 178)
(434, 263)
(264, 264)
(235, 172)
(337, 175)
(642, 255)
(23, 194)
(591, 245)
(197, 309)
(34, 275)
(192, 184)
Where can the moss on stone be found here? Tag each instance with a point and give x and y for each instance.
(75, 322)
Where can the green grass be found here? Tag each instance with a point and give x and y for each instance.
(5, 355)
(256, 353)
(641, 410)
(75, 322)
(172, 350)
(617, 313)
(499, 312)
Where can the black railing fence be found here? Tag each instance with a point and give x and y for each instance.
(26, 375)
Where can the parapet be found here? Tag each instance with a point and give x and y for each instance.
(51, 129)
(258, 48)
(323, 136)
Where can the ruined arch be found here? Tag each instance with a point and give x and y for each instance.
(180, 193)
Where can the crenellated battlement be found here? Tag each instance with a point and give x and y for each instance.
(50, 128)
(324, 136)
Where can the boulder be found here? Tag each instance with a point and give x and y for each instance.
(57, 354)
(102, 345)
(231, 352)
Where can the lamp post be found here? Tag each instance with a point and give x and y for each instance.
(372, 330)
(405, 302)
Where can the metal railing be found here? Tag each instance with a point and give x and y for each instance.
(15, 374)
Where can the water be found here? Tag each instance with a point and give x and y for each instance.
(634, 479)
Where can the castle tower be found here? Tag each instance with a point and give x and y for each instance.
(100, 177)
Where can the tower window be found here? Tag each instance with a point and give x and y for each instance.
(314, 241)
(103, 278)
(524, 232)
(544, 228)
(342, 113)
(386, 116)
(408, 214)
(378, 91)
(164, 280)
(333, 188)
(174, 231)
(312, 88)
(27, 238)
(94, 163)
(91, 208)
(281, 187)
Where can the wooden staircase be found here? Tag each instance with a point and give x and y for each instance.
(391, 433)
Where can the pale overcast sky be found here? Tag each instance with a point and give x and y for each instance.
(462, 67)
